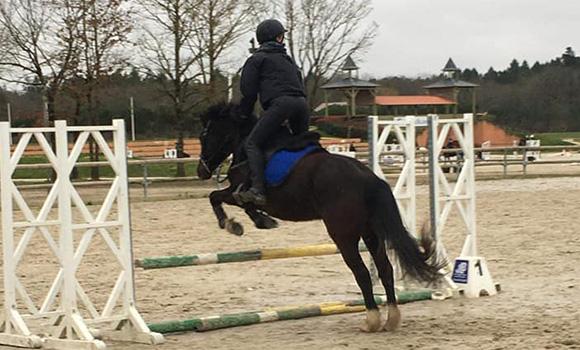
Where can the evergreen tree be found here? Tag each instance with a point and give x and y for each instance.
(537, 67)
(510, 75)
(491, 75)
(569, 57)
(524, 69)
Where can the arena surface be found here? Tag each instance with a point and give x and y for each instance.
(528, 231)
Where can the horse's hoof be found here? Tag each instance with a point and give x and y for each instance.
(266, 223)
(393, 319)
(373, 322)
(234, 227)
(222, 223)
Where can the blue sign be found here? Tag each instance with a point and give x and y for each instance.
(460, 271)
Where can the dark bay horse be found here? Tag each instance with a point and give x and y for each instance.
(350, 199)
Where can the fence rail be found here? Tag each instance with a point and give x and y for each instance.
(506, 159)
(105, 163)
(361, 155)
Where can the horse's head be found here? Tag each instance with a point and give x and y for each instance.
(223, 130)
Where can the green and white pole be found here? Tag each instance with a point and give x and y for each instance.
(239, 256)
(203, 324)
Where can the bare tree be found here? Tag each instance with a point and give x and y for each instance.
(171, 56)
(219, 24)
(4, 45)
(322, 33)
(41, 40)
(102, 30)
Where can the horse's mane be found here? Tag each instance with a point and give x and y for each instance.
(220, 110)
(231, 111)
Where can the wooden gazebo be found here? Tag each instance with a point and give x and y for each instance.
(450, 87)
(355, 90)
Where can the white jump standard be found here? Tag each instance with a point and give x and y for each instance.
(470, 271)
(470, 274)
(67, 326)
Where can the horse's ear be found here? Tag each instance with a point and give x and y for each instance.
(235, 111)
(213, 112)
(237, 115)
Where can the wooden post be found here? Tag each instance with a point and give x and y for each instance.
(145, 181)
(504, 163)
(326, 103)
(353, 102)
(132, 118)
(375, 107)
(456, 99)
(525, 161)
(9, 111)
(473, 101)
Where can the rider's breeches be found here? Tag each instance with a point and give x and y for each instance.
(295, 111)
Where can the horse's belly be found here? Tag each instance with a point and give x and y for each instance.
(291, 209)
(298, 216)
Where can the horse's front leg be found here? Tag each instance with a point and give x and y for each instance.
(217, 198)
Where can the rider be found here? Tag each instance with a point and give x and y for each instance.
(273, 75)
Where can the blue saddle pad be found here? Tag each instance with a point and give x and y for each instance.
(281, 164)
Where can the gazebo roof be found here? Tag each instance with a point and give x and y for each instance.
(346, 83)
(450, 83)
(349, 64)
(450, 66)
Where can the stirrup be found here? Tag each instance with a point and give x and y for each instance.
(252, 196)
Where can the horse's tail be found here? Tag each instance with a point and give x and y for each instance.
(416, 259)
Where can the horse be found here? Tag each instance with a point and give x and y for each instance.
(346, 195)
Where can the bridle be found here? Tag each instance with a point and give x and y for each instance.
(204, 162)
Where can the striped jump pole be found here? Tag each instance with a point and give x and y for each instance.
(280, 314)
(240, 256)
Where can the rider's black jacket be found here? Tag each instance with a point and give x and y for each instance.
(270, 73)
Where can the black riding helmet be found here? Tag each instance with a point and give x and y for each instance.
(268, 30)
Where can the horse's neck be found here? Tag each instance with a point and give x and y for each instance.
(239, 152)
(246, 128)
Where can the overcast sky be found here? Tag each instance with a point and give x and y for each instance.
(417, 37)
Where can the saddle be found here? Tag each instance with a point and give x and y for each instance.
(284, 141)
(284, 152)
(282, 160)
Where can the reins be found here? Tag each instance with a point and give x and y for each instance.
(232, 167)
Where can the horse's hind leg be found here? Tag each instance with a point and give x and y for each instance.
(348, 246)
(261, 220)
(377, 249)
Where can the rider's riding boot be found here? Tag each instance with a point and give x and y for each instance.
(257, 193)
(253, 195)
